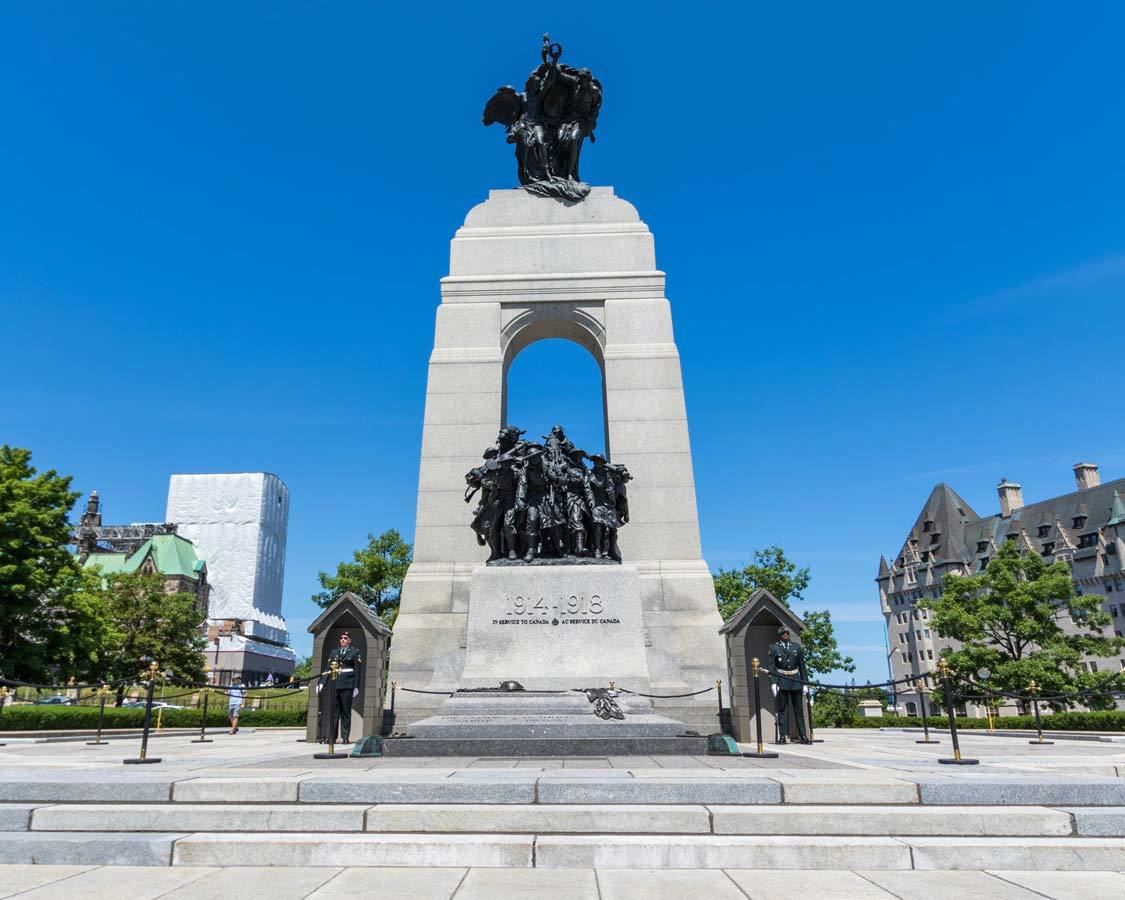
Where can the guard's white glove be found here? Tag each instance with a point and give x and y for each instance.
(806, 690)
(318, 687)
(355, 692)
(773, 687)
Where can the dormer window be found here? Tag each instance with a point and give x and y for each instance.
(1009, 537)
(1048, 548)
(983, 563)
(935, 538)
(1088, 540)
(982, 546)
(926, 556)
(1079, 521)
(927, 525)
(1044, 530)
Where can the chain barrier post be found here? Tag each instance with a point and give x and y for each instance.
(958, 760)
(333, 672)
(1033, 689)
(761, 752)
(813, 739)
(921, 691)
(3, 703)
(203, 739)
(144, 758)
(102, 692)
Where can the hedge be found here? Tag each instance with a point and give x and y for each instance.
(1107, 720)
(62, 718)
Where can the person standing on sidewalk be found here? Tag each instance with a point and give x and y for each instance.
(236, 696)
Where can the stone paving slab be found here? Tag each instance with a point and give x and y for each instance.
(16, 816)
(759, 884)
(1105, 822)
(549, 884)
(917, 885)
(416, 790)
(236, 790)
(130, 817)
(540, 819)
(87, 848)
(890, 820)
(17, 879)
(274, 883)
(719, 852)
(405, 883)
(1068, 885)
(112, 882)
(659, 790)
(91, 789)
(667, 884)
(1075, 853)
(217, 849)
(1038, 792)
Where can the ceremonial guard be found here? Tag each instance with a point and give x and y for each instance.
(788, 676)
(347, 687)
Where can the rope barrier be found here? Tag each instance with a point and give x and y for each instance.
(666, 696)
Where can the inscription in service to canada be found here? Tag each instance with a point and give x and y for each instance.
(575, 609)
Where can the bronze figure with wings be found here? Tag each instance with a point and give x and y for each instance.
(548, 122)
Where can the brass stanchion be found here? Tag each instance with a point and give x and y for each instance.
(103, 692)
(144, 758)
(333, 671)
(755, 673)
(921, 691)
(3, 703)
(203, 739)
(958, 760)
(1033, 689)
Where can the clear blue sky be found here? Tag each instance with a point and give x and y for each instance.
(893, 238)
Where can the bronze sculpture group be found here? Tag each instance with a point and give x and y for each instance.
(548, 121)
(541, 501)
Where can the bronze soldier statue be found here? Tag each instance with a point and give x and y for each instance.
(788, 676)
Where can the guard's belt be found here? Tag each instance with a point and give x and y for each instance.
(788, 671)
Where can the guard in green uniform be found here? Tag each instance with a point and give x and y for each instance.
(788, 675)
(347, 686)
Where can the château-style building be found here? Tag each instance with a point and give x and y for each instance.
(1086, 528)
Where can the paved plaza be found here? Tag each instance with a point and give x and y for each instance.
(866, 813)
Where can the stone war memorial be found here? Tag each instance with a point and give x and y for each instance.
(576, 570)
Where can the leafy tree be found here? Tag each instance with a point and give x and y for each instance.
(143, 620)
(1007, 619)
(780, 576)
(375, 574)
(303, 669)
(771, 570)
(37, 573)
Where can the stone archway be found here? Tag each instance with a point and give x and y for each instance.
(553, 322)
(522, 269)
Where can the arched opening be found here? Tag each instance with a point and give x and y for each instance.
(555, 381)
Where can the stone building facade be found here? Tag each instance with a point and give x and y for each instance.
(1086, 528)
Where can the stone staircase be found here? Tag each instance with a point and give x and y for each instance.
(566, 819)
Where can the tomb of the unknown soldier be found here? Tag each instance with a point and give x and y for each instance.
(557, 708)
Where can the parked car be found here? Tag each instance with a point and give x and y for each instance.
(57, 700)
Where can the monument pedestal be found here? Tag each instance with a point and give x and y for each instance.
(558, 630)
(523, 269)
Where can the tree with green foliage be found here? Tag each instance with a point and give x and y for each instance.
(37, 573)
(375, 574)
(776, 573)
(145, 620)
(1008, 620)
(303, 670)
(771, 569)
